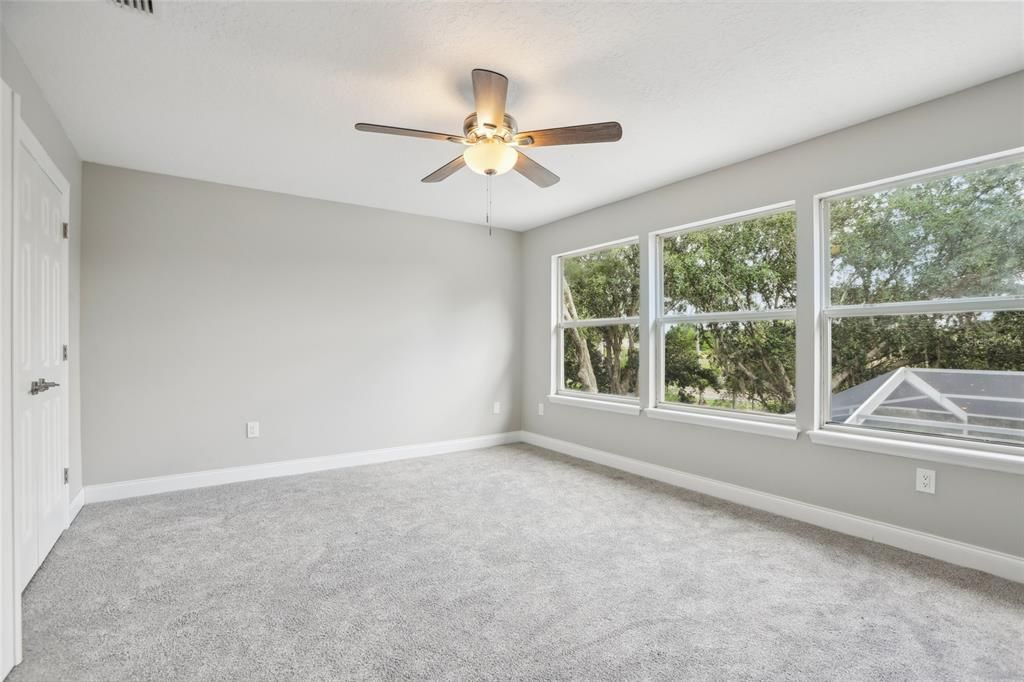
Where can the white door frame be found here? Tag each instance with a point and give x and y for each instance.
(10, 603)
(14, 131)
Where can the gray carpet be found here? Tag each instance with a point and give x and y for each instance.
(504, 563)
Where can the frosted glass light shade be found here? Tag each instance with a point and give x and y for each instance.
(490, 157)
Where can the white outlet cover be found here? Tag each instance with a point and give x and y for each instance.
(497, 408)
(540, 409)
(925, 481)
(252, 429)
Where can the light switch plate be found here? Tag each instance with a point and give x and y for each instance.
(252, 429)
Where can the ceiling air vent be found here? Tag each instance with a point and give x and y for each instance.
(144, 6)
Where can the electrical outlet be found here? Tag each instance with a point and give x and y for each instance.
(252, 429)
(926, 481)
(540, 409)
(497, 408)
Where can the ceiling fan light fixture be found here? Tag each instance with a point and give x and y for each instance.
(490, 156)
(492, 139)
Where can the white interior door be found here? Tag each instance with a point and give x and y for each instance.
(39, 370)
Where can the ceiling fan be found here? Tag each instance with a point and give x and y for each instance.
(493, 143)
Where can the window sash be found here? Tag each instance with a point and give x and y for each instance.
(662, 320)
(730, 316)
(660, 329)
(954, 168)
(559, 387)
(699, 226)
(729, 219)
(561, 324)
(823, 230)
(977, 304)
(830, 312)
(599, 322)
(560, 282)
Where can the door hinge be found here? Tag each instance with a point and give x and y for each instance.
(65, 230)
(64, 356)
(65, 475)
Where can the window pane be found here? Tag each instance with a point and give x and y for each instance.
(748, 265)
(603, 283)
(956, 375)
(956, 236)
(602, 359)
(733, 365)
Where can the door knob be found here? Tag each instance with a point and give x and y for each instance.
(40, 385)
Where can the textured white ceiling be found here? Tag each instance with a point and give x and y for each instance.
(265, 95)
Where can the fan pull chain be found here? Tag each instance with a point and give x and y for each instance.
(490, 229)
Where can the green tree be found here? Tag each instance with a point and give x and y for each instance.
(950, 237)
(687, 377)
(750, 265)
(602, 284)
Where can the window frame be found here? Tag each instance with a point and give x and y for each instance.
(965, 451)
(661, 320)
(558, 393)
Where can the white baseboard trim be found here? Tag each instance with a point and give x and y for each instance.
(105, 492)
(955, 552)
(77, 502)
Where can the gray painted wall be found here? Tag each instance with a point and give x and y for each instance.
(971, 505)
(339, 328)
(45, 126)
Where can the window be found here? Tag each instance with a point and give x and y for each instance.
(924, 305)
(598, 342)
(726, 313)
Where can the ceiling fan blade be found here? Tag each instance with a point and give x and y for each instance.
(490, 90)
(408, 132)
(584, 134)
(444, 171)
(534, 172)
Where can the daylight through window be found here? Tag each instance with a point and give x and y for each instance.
(925, 305)
(726, 321)
(598, 329)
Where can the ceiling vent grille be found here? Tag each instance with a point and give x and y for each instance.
(144, 6)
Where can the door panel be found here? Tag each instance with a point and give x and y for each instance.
(40, 314)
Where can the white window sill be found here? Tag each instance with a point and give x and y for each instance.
(762, 428)
(946, 454)
(596, 404)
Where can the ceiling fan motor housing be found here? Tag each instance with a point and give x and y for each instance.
(474, 130)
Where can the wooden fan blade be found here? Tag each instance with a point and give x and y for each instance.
(408, 132)
(490, 90)
(444, 171)
(584, 134)
(534, 172)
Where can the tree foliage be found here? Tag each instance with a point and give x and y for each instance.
(949, 237)
(602, 284)
(749, 265)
